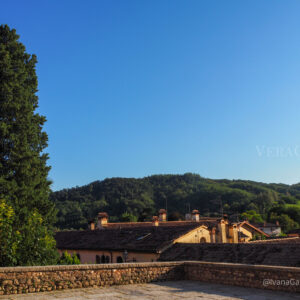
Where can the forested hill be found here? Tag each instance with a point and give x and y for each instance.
(133, 199)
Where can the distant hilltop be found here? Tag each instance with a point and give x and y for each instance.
(131, 199)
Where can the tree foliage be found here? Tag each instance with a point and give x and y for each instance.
(9, 239)
(179, 193)
(252, 216)
(23, 169)
(68, 259)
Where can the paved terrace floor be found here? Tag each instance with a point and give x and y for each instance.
(162, 291)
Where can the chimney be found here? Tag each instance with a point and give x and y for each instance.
(102, 220)
(225, 218)
(162, 215)
(233, 233)
(195, 215)
(277, 223)
(91, 225)
(188, 217)
(222, 231)
(155, 221)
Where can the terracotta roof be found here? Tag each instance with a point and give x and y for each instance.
(102, 215)
(265, 225)
(253, 227)
(295, 231)
(280, 254)
(282, 240)
(142, 238)
(209, 222)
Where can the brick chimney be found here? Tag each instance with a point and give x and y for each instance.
(162, 215)
(102, 220)
(195, 215)
(91, 225)
(155, 221)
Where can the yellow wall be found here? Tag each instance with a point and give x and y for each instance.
(195, 236)
(246, 232)
(233, 234)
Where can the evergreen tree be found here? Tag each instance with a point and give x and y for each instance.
(23, 169)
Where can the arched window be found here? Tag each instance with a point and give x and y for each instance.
(203, 240)
(107, 259)
(119, 259)
(103, 259)
(98, 260)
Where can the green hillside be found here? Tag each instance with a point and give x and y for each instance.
(127, 199)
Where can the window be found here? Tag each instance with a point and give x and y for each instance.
(98, 260)
(103, 259)
(107, 259)
(119, 259)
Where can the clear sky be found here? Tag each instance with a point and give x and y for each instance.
(134, 88)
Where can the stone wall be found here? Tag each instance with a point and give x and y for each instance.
(266, 277)
(35, 279)
(19, 280)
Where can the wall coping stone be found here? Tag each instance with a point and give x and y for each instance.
(88, 267)
(143, 265)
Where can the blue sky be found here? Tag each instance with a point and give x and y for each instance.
(134, 88)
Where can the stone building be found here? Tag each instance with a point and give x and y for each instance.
(106, 242)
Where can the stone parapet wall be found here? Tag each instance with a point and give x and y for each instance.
(19, 280)
(253, 276)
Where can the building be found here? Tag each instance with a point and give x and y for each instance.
(106, 242)
(294, 233)
(277, 252)
(269, 228)
(247, 232)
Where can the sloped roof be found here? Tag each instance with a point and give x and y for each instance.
(245, 223)
(208, 222)
(278, 240)
(295, 231)
(286, 253)
(138, 238)
(265, 225)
